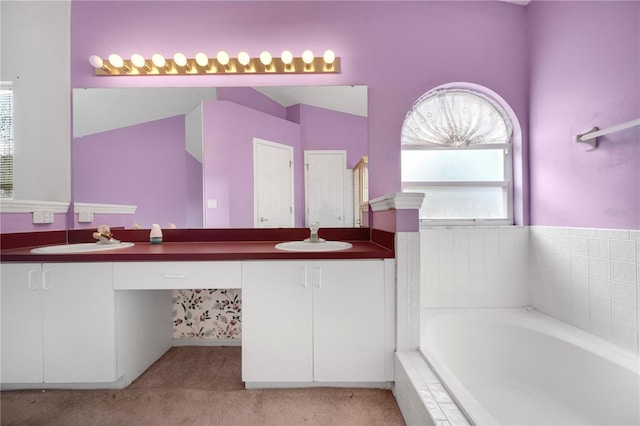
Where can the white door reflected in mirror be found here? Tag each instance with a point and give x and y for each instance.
(273, 184)
(327, 193)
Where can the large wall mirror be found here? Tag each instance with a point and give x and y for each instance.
(232, 157)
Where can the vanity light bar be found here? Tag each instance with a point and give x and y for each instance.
(222, 63)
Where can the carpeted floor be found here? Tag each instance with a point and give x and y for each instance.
(199, 386)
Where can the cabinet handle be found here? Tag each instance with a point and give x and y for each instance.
(175, 276)
(319, 277)
(44, 279)
(306, 278)
(30, 280)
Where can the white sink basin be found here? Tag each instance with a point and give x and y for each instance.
(307, 246)
(79, 248)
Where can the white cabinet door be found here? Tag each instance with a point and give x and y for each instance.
(348, 322)
(276, 322)
(313, 321)
(79, 323)
(21, 316)
(58, 323)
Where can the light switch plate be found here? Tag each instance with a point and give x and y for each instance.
(85, 217)
(212, 204)
(42, 216)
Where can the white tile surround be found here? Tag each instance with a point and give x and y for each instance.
(474, 267)
(407, 291)
(586, 277)
(450, 267)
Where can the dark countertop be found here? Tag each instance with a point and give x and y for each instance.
(198, 251)
(211, 249)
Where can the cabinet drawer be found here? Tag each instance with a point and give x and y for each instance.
(175, 275)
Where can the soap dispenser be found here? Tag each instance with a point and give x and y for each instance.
(155, 236)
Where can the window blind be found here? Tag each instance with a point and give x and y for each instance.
(6, 140)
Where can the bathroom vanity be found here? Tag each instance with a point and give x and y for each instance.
(316, 321)
(98, 320)
(58, 323)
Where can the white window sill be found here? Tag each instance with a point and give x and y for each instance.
(467, 224)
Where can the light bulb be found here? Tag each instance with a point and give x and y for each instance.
(137, 60)
(223, 57)
(329, 56)
(116, 60)
(96, 61)
(180, 60)
(287, 57)
(158, 60)
(265, 58)
(307, 57)
(202, 60)
(244, 58)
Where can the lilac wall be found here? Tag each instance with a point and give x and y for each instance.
(402, 220)
(23, 222)
(399, 50)
(113, 220)
(228, 130)
(584, 60)
(144, 165)
(331, 130)
(253, 99)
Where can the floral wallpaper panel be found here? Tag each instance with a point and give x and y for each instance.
(207, 314)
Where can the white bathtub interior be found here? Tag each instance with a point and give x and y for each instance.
(586, 278)
(517, 366)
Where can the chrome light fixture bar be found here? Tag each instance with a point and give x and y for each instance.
(221, 63)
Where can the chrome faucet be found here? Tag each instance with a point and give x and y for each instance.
(314, 227)
(104, 235)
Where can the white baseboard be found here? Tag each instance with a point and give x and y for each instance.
(288, 385)
(118, 384)
(207, 342)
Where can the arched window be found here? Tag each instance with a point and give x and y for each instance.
(456, 149)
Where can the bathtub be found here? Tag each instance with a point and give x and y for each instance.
(521, 367)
